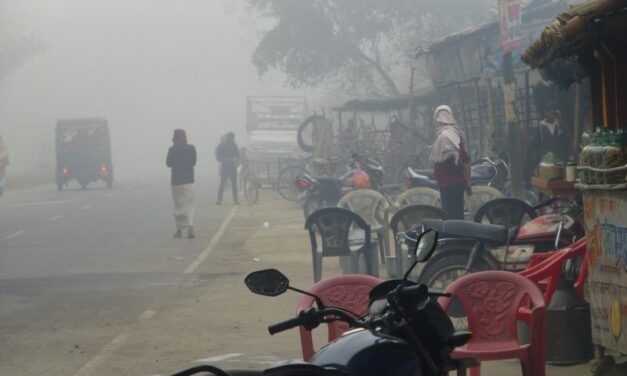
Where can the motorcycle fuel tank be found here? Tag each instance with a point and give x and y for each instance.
(365, 353)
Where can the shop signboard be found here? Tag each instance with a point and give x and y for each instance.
(510, 16)
(605, 214)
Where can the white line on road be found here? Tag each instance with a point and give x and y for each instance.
(118, 341)
(86, 206)
(15, 234)
(109, 195)
(38, 203)
(218, 358)
(130, 187)
(56, 217)
(212, 244)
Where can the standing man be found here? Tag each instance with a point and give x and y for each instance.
(451, 163)
(228, 157)
(547, 137)
(182, 159)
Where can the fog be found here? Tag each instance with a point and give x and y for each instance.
(148, 66)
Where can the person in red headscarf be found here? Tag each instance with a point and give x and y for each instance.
(182, 159)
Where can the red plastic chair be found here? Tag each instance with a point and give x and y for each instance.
(348, 291)
(491, 300)
(544, 268)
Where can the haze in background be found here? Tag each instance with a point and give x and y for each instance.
(148, 66)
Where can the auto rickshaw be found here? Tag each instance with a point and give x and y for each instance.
(83, 152)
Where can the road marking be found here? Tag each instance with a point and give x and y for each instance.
(218, 358)
(130, 187)
(109, 195)
(86, 206)
(36, 203)
(56, 217)
(15, 234)
(212, 244)
(106, 351)
(117, 342)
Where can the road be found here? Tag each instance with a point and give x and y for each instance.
(79, 266)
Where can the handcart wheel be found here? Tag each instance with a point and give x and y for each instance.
(286, 182)
(251, 188)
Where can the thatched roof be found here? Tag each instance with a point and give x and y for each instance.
(577, 28)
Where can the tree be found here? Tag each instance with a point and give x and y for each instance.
(14, 51)
(348, 41)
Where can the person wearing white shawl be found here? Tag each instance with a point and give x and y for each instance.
(451, 163)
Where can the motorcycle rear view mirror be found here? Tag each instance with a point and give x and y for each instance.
(268, 282)
(271, 282)
(426, 243)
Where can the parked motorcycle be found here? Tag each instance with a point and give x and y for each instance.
(491, 172)
(405, 331)
(326, 191)
(467, 247)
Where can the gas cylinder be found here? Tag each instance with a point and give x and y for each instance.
(568, 327)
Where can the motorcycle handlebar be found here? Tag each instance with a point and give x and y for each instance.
(419, 291)
(311, 318)
(285, 325)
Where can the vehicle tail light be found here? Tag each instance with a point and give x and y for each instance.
(303, 185)
(104, 169)
(65, 171)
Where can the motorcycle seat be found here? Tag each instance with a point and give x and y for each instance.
(471, 230)
(428, 173)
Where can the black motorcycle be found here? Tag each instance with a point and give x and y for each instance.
(405, 332)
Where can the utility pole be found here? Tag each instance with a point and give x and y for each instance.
(510, 12)
(512, 139)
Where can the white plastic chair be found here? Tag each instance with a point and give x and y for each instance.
(372, 207)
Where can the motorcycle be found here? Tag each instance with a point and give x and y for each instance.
(468, 247)
(326, 191)
(405, 331)
(490, 172)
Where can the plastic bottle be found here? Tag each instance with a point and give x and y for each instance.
(571, 169)
(584, 157)
(613, 157)
(596, 153)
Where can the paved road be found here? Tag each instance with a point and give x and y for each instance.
(78, 266)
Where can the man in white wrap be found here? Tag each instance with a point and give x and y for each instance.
(182, 159)
(451, 163)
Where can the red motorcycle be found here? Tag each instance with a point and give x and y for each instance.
(467, 247)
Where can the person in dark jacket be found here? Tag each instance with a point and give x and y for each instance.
(227, 154)
(549, 136)
(182, 159)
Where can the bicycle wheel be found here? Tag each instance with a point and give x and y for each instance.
(251, 188)
(285, 183)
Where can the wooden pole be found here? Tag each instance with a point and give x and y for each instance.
(482, 150)
(509, 90)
